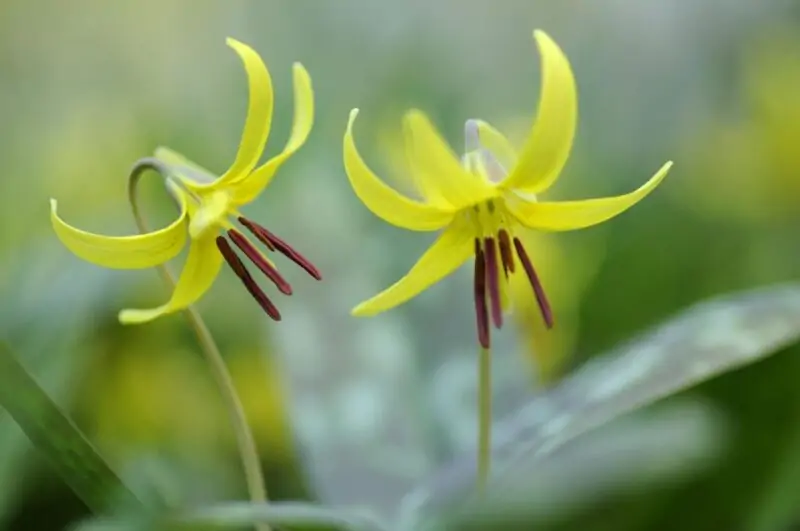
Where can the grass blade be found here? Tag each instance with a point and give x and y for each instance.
(53, 434)
(235, 515)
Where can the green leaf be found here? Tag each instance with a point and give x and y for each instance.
(34, 267)
(237, 514)
(54, 435)
(283, 514)
(704, 341)
(636, 452)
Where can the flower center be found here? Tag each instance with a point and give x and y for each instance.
(497, 251)
(210, 213)
(489, 217)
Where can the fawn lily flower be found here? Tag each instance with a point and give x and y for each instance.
(208, 206)
(483, 198)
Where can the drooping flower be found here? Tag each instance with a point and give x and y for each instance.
(481, 198)
(209, 205)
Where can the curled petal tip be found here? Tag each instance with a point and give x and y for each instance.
(164, 151)
(545, 42)
(414, 113)
(362, 310)
(661, 173)
(300, 74)
(53, 205)
(134, 317)
(230, 41)
(353, 114)
(541, 37)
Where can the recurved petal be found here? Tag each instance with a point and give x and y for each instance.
(548, 145)
(251, 186)
(440, 168)
(385, 202)
(493, 140)
(424, 186)
(201, 268)
(123, 252)
(449, 251)
(259, 115)
(571, 215)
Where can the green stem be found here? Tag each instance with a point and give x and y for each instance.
(484, 417)
(244, 436)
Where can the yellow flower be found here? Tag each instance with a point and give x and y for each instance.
(208, 206)
(480, 199)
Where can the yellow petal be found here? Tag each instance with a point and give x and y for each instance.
(571, 215)
(440, 168)
(547, 148)
(259, 115)
(184, 168)
(201, 268)
(123, 252)
(251, 186)
(422, 185)
(449, 251)
(497, 143)
(211, 213)
(383, 201)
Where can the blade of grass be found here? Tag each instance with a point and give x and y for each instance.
(53, 434)
(234, 515)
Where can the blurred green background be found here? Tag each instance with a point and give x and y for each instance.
(352, 411)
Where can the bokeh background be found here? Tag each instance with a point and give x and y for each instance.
(353, 411)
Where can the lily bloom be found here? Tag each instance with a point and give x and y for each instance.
(481, 199)
(209, 206)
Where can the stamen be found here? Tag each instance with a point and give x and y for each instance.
(256, 229)
(481, 313)
(273, 242)
(241, 241)
(506, 255)
(493, 278)
(538, 289)
(241, 271)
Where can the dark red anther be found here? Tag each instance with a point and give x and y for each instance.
(241, 271)
(541, 298)
(506, 255)
(241, 241)
(257, 231)
(493, 279)
(481, 313)
(273, 242)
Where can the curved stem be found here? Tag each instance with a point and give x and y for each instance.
(484, 417)
(244, 436)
